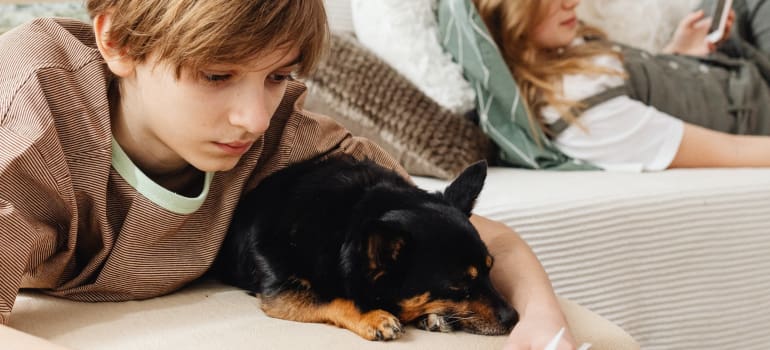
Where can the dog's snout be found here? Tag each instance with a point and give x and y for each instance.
(508, 316)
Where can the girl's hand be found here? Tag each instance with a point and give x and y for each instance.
(536, 331)
(690, 36)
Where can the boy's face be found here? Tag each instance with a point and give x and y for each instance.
(206, 118)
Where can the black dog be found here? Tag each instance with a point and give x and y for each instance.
(353, 244)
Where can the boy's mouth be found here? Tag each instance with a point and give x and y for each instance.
(234, 148)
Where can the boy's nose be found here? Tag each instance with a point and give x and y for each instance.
(252, 114)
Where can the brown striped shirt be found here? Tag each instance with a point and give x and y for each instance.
(70, 224)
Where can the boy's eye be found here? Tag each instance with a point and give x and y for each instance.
(279, 77)
(216, 78)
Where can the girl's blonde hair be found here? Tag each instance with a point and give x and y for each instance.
(191, 34)
(538, 72)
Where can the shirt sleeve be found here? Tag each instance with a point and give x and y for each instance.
(623, 134)
(28, 234)
(12, 232)
(619, 134)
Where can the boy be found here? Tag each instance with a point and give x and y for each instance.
(124, 148)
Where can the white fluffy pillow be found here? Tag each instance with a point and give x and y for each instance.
(646, 24)
(404, 33)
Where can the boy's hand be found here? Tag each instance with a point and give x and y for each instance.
(534, 332)
(690, 36)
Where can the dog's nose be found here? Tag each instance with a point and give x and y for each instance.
(508, 316)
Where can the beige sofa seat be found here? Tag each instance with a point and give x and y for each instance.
(679, 259)
(208, 315)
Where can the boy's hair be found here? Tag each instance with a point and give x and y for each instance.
(190, 34)
(538, 72)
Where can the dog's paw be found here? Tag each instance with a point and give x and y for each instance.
(380, 325)
(434, 323)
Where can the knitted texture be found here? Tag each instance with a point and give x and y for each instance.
(373, 100)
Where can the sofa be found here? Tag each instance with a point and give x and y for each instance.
(678, 259)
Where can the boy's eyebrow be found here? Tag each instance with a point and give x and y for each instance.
(297, 60)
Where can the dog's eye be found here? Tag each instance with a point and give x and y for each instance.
(473, 272)
(463, 291)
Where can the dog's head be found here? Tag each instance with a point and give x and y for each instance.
(418, 256)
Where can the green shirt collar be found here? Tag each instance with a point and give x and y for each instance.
(151, 190)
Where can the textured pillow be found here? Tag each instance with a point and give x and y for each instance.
(373, 100)
(404, 33)
(502, 114)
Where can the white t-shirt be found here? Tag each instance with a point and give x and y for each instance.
(621, 133)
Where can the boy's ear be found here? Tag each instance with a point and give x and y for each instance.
(118, 63)
(462, 192)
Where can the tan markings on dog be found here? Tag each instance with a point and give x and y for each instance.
(484, 320)
(481, 309)
(416, 302)
(302, 307)
(301, 281)
(472, 315)
(473, 272)
(415, 307)
(489, 261)
(379, 247)
(378, 275)
(372, 252)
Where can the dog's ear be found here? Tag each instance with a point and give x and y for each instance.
(464, 190)
(387, 242)
(384, 252)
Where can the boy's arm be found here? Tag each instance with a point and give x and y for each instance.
(16, 236)
(12, 265)
(520, 278)
(30, 205)
(16, 340)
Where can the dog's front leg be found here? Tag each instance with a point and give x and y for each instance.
(302, 306)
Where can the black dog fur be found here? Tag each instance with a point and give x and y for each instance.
(353, 244)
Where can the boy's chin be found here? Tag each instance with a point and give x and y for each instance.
(219, 165)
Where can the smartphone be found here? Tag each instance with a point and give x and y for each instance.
(718, 15)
